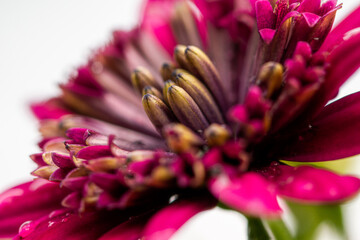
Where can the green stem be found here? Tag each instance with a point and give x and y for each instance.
(279, 229)
(256, 229)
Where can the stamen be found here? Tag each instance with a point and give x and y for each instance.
(153, 91)
(161, 175)
(217, 135)
(271, 77)
(141, 77)
(166, 71)
(184, 26)
(167, 85)
(139, 155)
(206, 69)
(201, 96)
(182, 61)
(180, 138)
(157, 111)
(176, 72)
(186, 109)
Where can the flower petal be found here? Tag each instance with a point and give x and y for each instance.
(51, 109)
(334, 134)
(26, 202)
(264, 14)
(240, 194)
(62, 224)
(343, 62)
(336, 35)
(309, 184)
(167, 221)
(156, 20)
(130, 230)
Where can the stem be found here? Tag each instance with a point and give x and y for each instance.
(279, 229)
(256, 229)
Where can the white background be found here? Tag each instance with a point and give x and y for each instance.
(41, 42)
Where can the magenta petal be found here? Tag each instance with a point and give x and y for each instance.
(264, 14)
(62, 225)
(242, 195)
(168, 220)
(315, 185)
(336, 35)
(311, 19)
(93, 152)
(62, 160)
(344, 61)
(334, 134)
(106, 181)
(78, 135)
(130, 230)
(38, 159)
(27, 202)
(51, 109)
(156, 20)
(309, 6)
(267, 34)
(74, 183)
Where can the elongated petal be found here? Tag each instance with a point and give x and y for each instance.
(250, 193)
(51, 109)
(264, 14)
(27, 202)
(156, 19)
(62, 225)
(130, 230)
(344, 61)
(168, 220)
(336, 35)
(334, 134)
(309, 184)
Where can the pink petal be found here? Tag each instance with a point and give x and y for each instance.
(334, 134)
(311, 19)
(344, 61)
(250, 193)
(168, 220)
(26, 202)
(282, 36)
(108, 182)
(267, 34)
(51, 109)
(308, 184)
(264, 14)
(93, 152)
(336, 35)
(62, 160)
(156, 20)
(322, 29)
(215, 11)
(130, 230)
(309, 6)
(61, 225)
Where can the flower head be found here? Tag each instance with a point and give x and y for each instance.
(198, 104)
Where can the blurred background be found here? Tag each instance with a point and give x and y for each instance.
(41, 42)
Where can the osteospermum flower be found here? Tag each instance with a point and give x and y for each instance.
(195, 106)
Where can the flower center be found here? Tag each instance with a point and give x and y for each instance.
(191, 92)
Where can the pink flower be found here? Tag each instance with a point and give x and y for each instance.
(132, 152)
